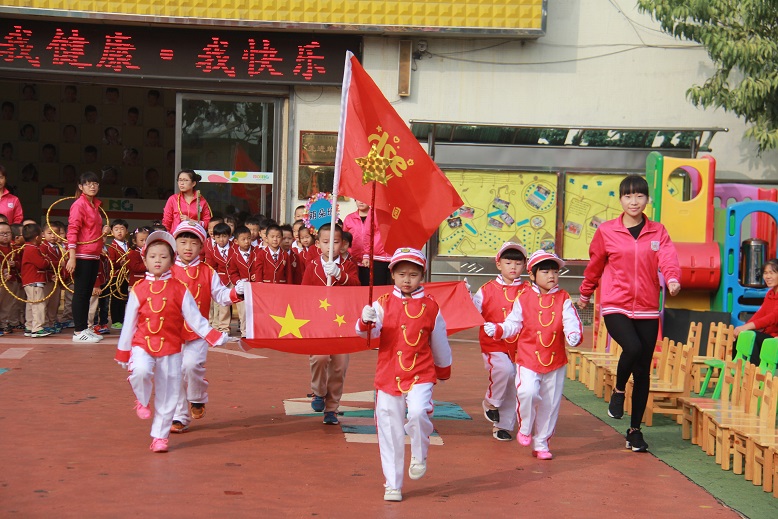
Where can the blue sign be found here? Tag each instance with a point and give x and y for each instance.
(320, 213)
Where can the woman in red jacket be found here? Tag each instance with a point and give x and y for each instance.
(625, 257)
(10, 206)
(765, 320)
(187, 205)
(85, 244)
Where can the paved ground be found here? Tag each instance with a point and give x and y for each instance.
(73, 447)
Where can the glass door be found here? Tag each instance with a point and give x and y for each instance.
(233, 143)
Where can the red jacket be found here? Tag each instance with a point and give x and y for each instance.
(11, 207)
(34, 266)
(13, 270)
(627, 270)
(52, 254)
(215, 259)
(766, 318)
(136, 268)
(279, 271)
(314, 273)
(85, 223)
(238, 268)
(177, 208)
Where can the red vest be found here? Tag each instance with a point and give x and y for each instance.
(541, 344)
(497, 303)
(160, 316)
(405, 355)
(198, 280)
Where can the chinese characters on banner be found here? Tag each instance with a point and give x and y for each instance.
(198, 54)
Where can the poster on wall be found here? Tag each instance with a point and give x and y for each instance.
(590, 199)
(500, 207)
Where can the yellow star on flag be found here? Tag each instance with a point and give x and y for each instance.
(324, 304)
(290, 325)
(339, 319)
(373, 166)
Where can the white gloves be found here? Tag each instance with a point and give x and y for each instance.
(574, 339)
(467, 285)
(331, 269)
(239, 287)
(490, 329)
(369, 314)
(124, 365)
(225, 338)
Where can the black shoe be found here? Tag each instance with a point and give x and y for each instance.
(502, 435)
(616, 405)
(490, 412)
(635, 441)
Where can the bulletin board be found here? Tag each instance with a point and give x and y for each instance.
(500, 207)
(590, 199)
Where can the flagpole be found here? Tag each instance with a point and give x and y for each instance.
(339, 152)
(371, 249)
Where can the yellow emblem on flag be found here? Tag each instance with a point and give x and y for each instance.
(373, 166)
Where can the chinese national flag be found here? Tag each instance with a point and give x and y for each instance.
(374, 144)
(315, 320)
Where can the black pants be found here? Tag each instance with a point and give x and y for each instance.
(637, 338)
(758, 340)
(118, 305)
(381, 274)
(83, 282)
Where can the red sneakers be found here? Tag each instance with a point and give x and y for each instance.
(158, 445)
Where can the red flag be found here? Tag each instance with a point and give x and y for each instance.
(374, 143)
(315, 320)
(252, 193)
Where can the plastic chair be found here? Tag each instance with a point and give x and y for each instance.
(768, 357)
(743, 349)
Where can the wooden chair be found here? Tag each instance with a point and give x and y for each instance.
(601, 350)
(743, 349)
(692, 407)
(676, 382)
(752, 431)
(721, 338)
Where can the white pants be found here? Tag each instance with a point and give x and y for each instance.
(165, 372)
(501, 392)
(538, 396)
(194, 386)
(389, 418)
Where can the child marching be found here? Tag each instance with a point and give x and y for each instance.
(206, 287)
(544, 318)
(494, 301)
(414, 354)
(151, 351)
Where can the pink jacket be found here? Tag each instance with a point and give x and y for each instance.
(626, 269)
(177, 209)
(11, 207)
(360, 246)
(85, 223)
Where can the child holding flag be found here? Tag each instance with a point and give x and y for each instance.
(544, 317)
(151, 351)
(413, 355)
(329, 371)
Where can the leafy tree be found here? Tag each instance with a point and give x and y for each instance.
(741, 37)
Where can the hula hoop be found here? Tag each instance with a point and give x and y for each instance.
(64, 239)
(2, 280)
(59, 275)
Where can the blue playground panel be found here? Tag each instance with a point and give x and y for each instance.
(730, 290)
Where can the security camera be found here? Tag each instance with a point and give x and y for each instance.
(421, 45)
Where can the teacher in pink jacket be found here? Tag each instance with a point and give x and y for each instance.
(625, 258)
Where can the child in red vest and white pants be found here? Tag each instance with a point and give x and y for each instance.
(151, 338)
(544, 317)
(414, 354)
(494, 301)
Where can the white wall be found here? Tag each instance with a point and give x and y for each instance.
(571, 81)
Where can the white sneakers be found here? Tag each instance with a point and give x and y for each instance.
(417, 468)
(87, 336)
(392, 494)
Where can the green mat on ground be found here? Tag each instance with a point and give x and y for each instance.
(665, 441)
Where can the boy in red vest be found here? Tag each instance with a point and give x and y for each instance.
(206, 287)
(151, 351)
(495, 300)
(544, 317)
(328, 372)
(414, 354)
(245, 266)
(276, 264)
